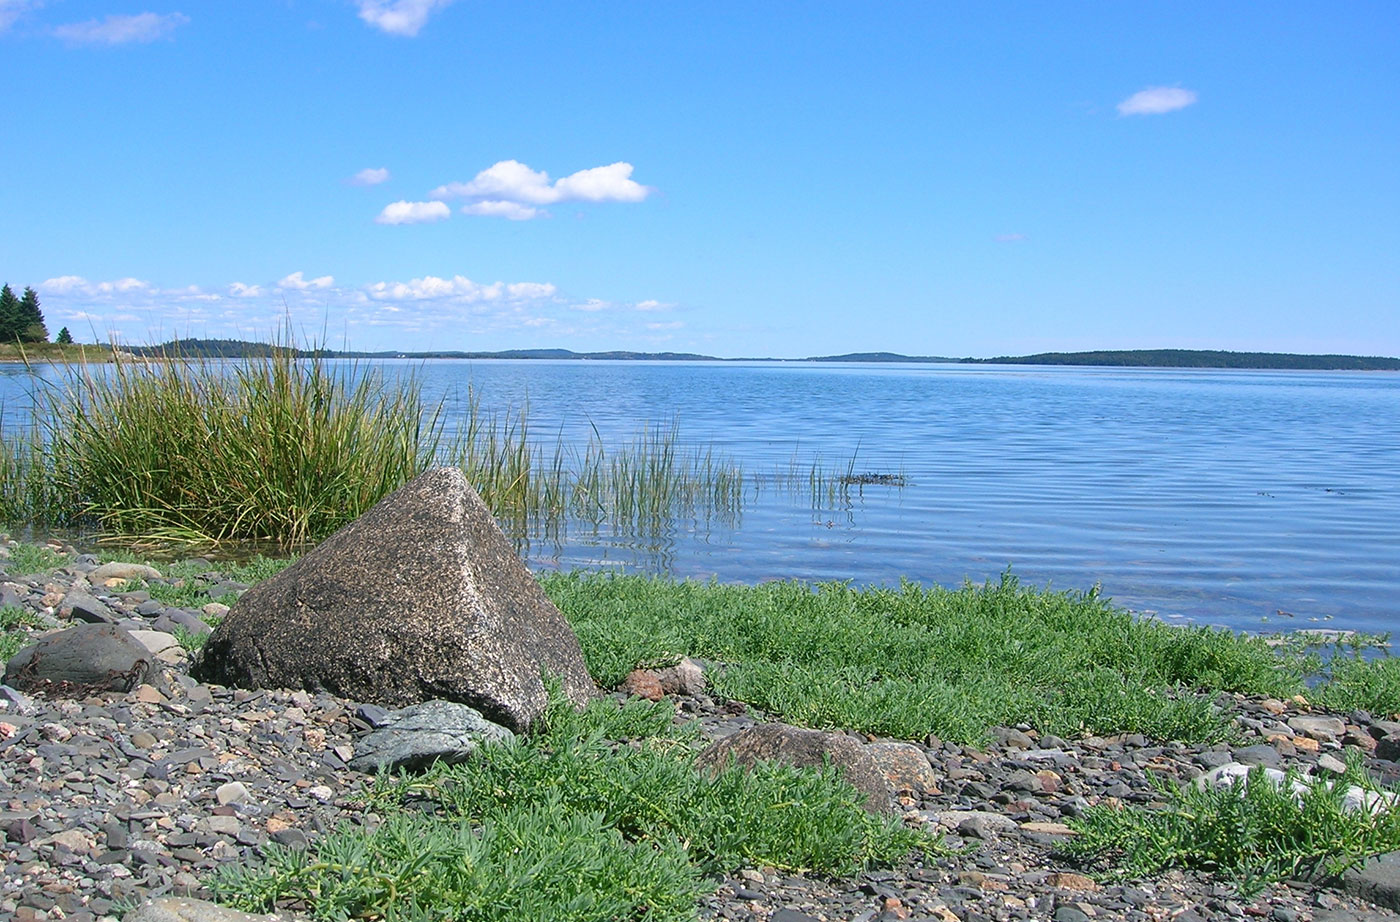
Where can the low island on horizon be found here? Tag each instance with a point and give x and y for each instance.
(1131, 358)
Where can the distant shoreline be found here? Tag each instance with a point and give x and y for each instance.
(1132, 358)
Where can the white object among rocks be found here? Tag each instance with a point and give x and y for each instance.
(1356, 798)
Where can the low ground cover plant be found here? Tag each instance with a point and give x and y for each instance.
(1253, 832)
(595, 815)
(909, 661)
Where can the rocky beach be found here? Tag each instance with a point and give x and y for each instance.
(114, 797)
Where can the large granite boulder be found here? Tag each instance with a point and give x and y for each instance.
(420, 598)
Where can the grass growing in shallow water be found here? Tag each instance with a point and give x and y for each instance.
(598, 815)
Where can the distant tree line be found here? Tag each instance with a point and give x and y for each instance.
(1202, 358)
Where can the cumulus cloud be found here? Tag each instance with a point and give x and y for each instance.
(413, 213)
(399, 17)
(77, 285)
(370, 176)
(511, 211)
(296, 282)
(510, 181)
(458, 288)
(651, 305)
(426, 312)
(121, 30)
(1156, 100)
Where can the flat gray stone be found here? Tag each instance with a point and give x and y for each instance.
(421, 734)
(81, 606)
(84, 658)
(420, 598)
(1318, 726)
(1377, 881)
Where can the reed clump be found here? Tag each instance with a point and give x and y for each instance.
(286, 447)
(272, 448)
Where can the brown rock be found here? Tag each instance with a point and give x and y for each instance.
(1064, 880)
(805, 748)
(644, 683)
(685, 678)
(905, 768)
(421, 598)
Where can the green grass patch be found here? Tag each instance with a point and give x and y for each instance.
(33, 558)
(1252, 833)
(596, 815)
(1355, 683)
(13, 636)
(910, 661)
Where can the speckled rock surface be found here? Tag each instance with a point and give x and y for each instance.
(420, 598)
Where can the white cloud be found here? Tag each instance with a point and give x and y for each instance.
(77, 285)
(413, 213)
(296, 282)
(1156, 100)
(651, 305)
(510, 181)
(399, 17)
(1010, 238)
(426, 312)
(458, 288)
(512, 211)
(120, 30)
(10, 10)
(370, 176)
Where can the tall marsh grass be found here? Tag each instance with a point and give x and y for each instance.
(285, 449)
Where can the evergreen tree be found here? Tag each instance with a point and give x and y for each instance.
(64, 337)
(9, 315)
(31, 320)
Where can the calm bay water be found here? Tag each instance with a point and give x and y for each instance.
(1222, 497)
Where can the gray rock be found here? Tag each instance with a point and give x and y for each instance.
(1259, 754)
(420, 598)
(181, 909)
(778, 742)
(1318, 726)
(1378, 881)
(178, 618)
(13, 701)
(421, 734)
(80, 606)
(84, 658)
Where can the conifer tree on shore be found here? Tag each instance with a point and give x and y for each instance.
(20, 318)
(64, 337)
(32, 327)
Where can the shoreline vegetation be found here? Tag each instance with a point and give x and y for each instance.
(614, 788)
(1130, 358)
(285, 450)
(283, 447)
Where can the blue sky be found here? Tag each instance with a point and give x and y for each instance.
(738, 179)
